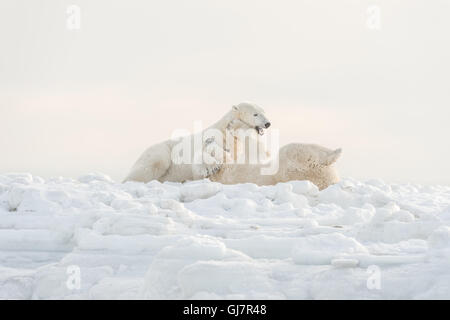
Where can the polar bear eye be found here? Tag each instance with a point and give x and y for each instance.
(255, 114)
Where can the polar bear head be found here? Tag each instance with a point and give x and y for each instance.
(251, 115)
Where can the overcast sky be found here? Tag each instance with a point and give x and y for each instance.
(325, 71)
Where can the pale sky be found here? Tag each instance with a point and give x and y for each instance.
(91, 100)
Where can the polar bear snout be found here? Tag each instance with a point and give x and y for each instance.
(260, 128)
(261, 123)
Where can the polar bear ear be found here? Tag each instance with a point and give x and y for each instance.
(332, 157)
(235, 108)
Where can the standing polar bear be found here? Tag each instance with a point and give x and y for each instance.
(296, 161)
(162, 161)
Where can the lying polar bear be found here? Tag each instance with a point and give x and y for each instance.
(164, 162)
(296, 162)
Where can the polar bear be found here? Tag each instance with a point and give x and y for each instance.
(296, 162)
(162, 161)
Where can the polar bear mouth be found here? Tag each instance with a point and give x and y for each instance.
(259, 130)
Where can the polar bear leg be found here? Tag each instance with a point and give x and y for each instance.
(209, 160)
(152, 165)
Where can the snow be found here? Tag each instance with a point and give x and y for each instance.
(205, 240)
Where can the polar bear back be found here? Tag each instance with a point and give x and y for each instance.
(296, 162)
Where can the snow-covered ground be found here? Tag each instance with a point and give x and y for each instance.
(204, 240)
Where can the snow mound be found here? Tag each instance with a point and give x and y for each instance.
(93, 238)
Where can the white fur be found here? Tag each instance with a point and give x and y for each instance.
(296, 162)
(156, 162)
